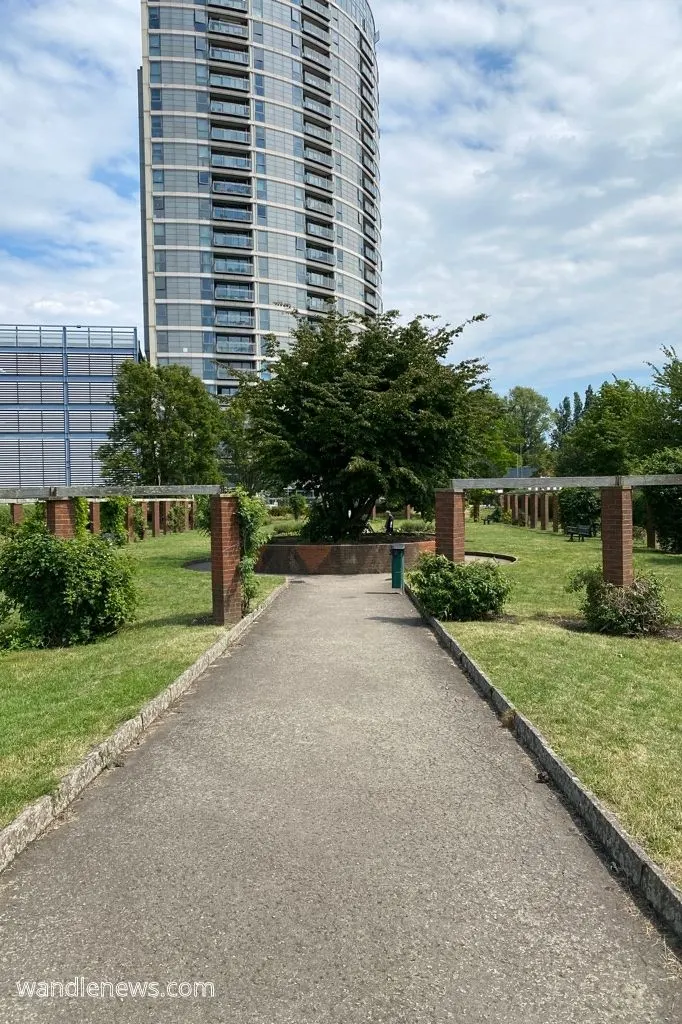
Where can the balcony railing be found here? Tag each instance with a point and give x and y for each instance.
(230, 135)
(236, 345)
(235, 163)
(313, 302)
(227, 266)
(371, 299)
(371, 277)
(234, 318)
(313, 5)
(230, 82)
(227, 28)
(318, 182)
(319, 280)
(317, 83)
(320, 255)
(316, 57)
(316, 30)
(236, 292)
(232, 213)
(371, 254)
(318, 133)
(232, 5)
(319, 231)
(231, 109)
(319, 206)
(316, 107)
(232, 241)
(320, 158)
(232, 188)
(232, 56)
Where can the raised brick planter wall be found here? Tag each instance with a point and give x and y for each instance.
(225, 557)
(450, 507)
(616, 535)
(285, 557)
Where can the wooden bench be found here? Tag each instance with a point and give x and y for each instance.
(578, 531)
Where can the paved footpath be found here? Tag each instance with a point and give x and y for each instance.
(333, 829)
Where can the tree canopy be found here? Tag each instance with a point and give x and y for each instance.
(528, 418)
(166, 431)
(361, 408)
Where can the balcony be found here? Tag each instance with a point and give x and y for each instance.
(320, 231)
(231, 160)
(319, 157)
(319, 280)
(241, 135)
(315, 107)
(234, 266)
(317, 31)
(318, 304)
(232, 188)
(371, 277)
(370, 187)
(371, 232)
(234, 318)
(319, 206)
(318, 8)
(370, 208)
(235, 344)
(233, 213)
(236, 292)
(318, 182)
(229, 109)
(317, 83)
(323, 134)
(229, 82)
(371, 300)
(232, 241)
(232, 5)
(231, 56)
(320, 256)
(316, 57)
(228, 28)
(371, 254)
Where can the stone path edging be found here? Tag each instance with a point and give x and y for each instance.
(35, 818)
(635, 865)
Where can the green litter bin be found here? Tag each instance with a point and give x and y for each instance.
(398, 566)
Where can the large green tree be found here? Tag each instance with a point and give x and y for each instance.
(364, 408)
(528, 417)
(167, 429)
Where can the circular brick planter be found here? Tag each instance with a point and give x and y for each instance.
(286, 556)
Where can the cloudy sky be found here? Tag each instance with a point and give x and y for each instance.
(531, 169)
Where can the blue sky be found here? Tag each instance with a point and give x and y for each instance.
(531, 169)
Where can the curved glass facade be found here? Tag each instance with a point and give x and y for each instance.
(260, 174)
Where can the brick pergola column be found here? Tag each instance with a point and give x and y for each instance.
(616, 535)
(186, 517)
(60, 518)
(145, 510)
(556, 513)
(525, 508)
(515, 509)
(225, 556)
(156, 518)
(192, 515)
(95, 518)
(17, 514)
(130, 522)
(544, 511)
(408, 511)
(533, 512)
(164, 513)
(450, 506)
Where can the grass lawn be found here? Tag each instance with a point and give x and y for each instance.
(612, 708)
(55, 705)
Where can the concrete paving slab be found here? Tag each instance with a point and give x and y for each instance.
(333, 829)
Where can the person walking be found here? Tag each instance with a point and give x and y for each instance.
(389, 523)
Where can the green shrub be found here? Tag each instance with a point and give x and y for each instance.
(81, 516)
(66, 591)
(298, 505)
(176, 518)
(6, 525)
(666, 502)
(253, 518)
(202, 518)
(459, 592)
(416, 527)
(580, 506)
(139, 520)
(620, 611)
(113, 520)
(287, 528)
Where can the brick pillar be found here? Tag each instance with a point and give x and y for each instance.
(17, 514)
(534, 501)
(556, 513)
(616, 535)
(408, 511)
(515, 509)
(192, 515)
(225, 555)
(544, 511)
(450, 506)
(156, 518)
(164, 512)
(145, 512)
(60, 518)
(524, 509)
(95, 518)
(130, 522)
(186, 525)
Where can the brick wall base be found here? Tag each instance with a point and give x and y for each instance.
(285, 557)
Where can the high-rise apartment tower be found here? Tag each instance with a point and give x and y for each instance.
(260, 177)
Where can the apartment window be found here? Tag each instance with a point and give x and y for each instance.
(259, 84)
(257, 31)
(261, 188)
(260, 138)
(259, 110)
(260, 163)
(262, 214)
(154, 17)
(259, 59)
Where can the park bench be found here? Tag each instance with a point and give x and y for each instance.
(578, 531)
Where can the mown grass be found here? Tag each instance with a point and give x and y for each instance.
(611, 707)
(56, 704)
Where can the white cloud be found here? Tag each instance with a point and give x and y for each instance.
(530, 169)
